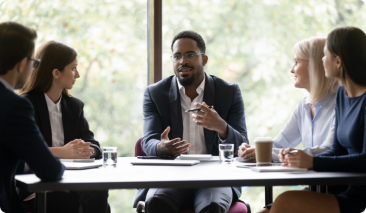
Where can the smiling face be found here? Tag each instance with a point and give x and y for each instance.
(301, 72)
(188, 72)
(66, 78)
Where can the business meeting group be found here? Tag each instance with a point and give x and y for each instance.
(41, 123)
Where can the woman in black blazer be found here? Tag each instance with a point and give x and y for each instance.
(60, 118)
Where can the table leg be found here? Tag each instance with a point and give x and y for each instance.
(312, 188)
(321, 189)
(41, 202)
(268, 190)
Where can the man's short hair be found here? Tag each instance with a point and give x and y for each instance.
(16, 43)
(192, 35)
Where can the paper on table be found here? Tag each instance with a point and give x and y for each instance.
(277, 169)
(195, 157)
(89, 160)
(239, 159)
(165, 162)
(82, 165)
(212, 159)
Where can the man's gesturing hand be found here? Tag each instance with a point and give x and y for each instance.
(210, 119)
(171, 147)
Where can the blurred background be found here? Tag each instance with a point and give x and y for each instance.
(249, 42)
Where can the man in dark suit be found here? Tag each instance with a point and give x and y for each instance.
(170, 131)
(20, 138)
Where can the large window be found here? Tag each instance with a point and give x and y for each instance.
(249, 42)
(110, 37)
(111, 40)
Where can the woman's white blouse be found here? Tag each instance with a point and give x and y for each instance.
(55, 114)
(316, 134)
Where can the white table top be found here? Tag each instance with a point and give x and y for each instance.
(205, 174)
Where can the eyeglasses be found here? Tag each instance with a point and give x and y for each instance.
(188, 56)
(36, 62)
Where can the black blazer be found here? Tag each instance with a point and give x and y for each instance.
(20, 139)
(73, 120)
(162, 108)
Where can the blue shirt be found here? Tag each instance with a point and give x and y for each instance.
(348, 152)
(316, 134)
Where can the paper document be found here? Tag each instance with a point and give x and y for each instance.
(195, 157)
(165, 162)
(277, 169)
(77, 166)
(89, 160)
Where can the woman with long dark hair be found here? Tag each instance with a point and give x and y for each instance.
(60, 118)
(345, 59)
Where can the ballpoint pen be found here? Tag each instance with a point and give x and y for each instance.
(292, 152)
(191, 110)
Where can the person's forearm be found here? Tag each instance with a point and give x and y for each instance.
(57, 151)
(222, 130)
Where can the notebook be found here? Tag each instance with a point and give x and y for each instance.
(165, 162)
(78, 166)
(277, 169)
(195, 157)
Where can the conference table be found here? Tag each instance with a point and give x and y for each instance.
(205, 174)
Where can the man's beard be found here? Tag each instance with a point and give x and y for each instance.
(189, 81)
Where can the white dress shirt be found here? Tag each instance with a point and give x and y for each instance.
(316, 134)
(6, 84)
(55, 114)
(192, 132)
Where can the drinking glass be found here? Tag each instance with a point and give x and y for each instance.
(110, 156)
(226, 152)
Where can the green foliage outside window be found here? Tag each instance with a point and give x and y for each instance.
(249, 42)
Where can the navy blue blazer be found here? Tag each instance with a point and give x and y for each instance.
(20, 139)
(162, 108)
(73, 120)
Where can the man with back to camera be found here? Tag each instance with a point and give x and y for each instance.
(20, 138)
(169, 130)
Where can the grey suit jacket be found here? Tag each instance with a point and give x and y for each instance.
(162, 108)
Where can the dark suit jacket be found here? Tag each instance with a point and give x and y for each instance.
(73, 120)
(162, 108)
(20, 139)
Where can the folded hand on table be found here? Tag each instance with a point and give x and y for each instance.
(77, 149)
(171, 147)
(299, 159)
(246, 152)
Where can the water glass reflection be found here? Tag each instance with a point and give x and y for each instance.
(226, 152)
(110, 156)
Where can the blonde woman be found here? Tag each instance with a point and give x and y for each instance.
(312, 122)
(345, 60)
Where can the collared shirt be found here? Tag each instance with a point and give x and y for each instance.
(316, 134)
(6, 84)
(192, 132)
(55, 114)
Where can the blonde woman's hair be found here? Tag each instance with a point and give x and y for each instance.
(311, 49)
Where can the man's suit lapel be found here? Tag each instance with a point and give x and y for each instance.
(66, 118)
(175, 111)
(44, 117)
(209, 99)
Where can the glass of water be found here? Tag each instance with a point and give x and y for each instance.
(110, 156)
(226, 152)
